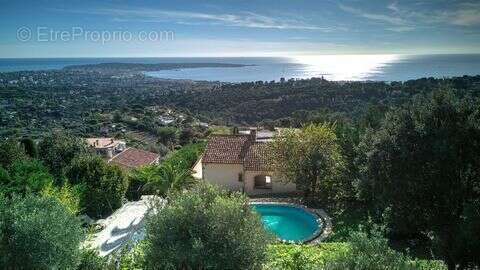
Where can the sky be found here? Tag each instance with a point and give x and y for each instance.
(191, 28)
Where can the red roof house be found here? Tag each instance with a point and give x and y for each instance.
(134, 158)
(239, 163)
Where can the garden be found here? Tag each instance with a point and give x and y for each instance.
(375, 178)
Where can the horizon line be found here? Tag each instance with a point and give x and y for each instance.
(227, 56)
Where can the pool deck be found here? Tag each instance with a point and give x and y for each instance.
(326, 229)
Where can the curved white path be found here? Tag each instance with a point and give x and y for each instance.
(121, 226)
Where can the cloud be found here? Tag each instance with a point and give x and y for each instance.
(393, 7)
(457, 14)
(468, 14)
(405, 19)
(401, 29)
(242, 19)
(375, 16)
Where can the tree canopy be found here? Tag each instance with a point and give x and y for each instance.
(23, 177)
(58, 149)
(311, 158)
(38, 233)
(10, 151)
(422, 168)
(104, 185)
(205, 228)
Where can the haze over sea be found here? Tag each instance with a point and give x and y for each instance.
(332, 67)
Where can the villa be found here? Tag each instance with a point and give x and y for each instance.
(239, 162)
(107, 147)
(117, 152)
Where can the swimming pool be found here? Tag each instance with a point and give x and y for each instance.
(289, 222)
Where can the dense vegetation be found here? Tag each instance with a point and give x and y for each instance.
(38, 233)
(361, 252)
(402, 156)
(81, 181)
(104, 185)
(40, 205)
(294, 102)
(415, 172)
(174, 173)
(421, 169)
(92, 103)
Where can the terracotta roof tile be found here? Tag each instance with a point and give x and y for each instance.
(134, 158)
(257, 158)
(226, 149)
(237, 149)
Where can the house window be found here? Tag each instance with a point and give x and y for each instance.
(263, 182)
(268, 180)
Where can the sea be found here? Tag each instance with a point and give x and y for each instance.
(374, 67)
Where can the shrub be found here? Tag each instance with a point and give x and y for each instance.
(10, 151)
(427, 265)
(372, 252)
(369, 253)
(104, 185)
(305, 257)
(30, 147)
(185, 158)
(363, 252)
(466, 244)
(3, 227)
(90, 260)
(129, 258)
(57, 150)
(38, 233)
(25, 176)
(67, 195)
(205, 228)
(167, 135)
(186, 136)
(137, 178)
(4, 179)
(174, 173)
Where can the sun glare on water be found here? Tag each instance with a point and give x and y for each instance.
(345, 67)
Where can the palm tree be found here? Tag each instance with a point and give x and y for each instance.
(162, 179)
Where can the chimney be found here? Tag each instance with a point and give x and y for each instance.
(235, 131)
(253, 134)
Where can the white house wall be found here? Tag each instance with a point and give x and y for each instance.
(198, 169)
(278, 186)
(224, 175)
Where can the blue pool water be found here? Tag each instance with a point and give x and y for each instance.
(287, 222)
